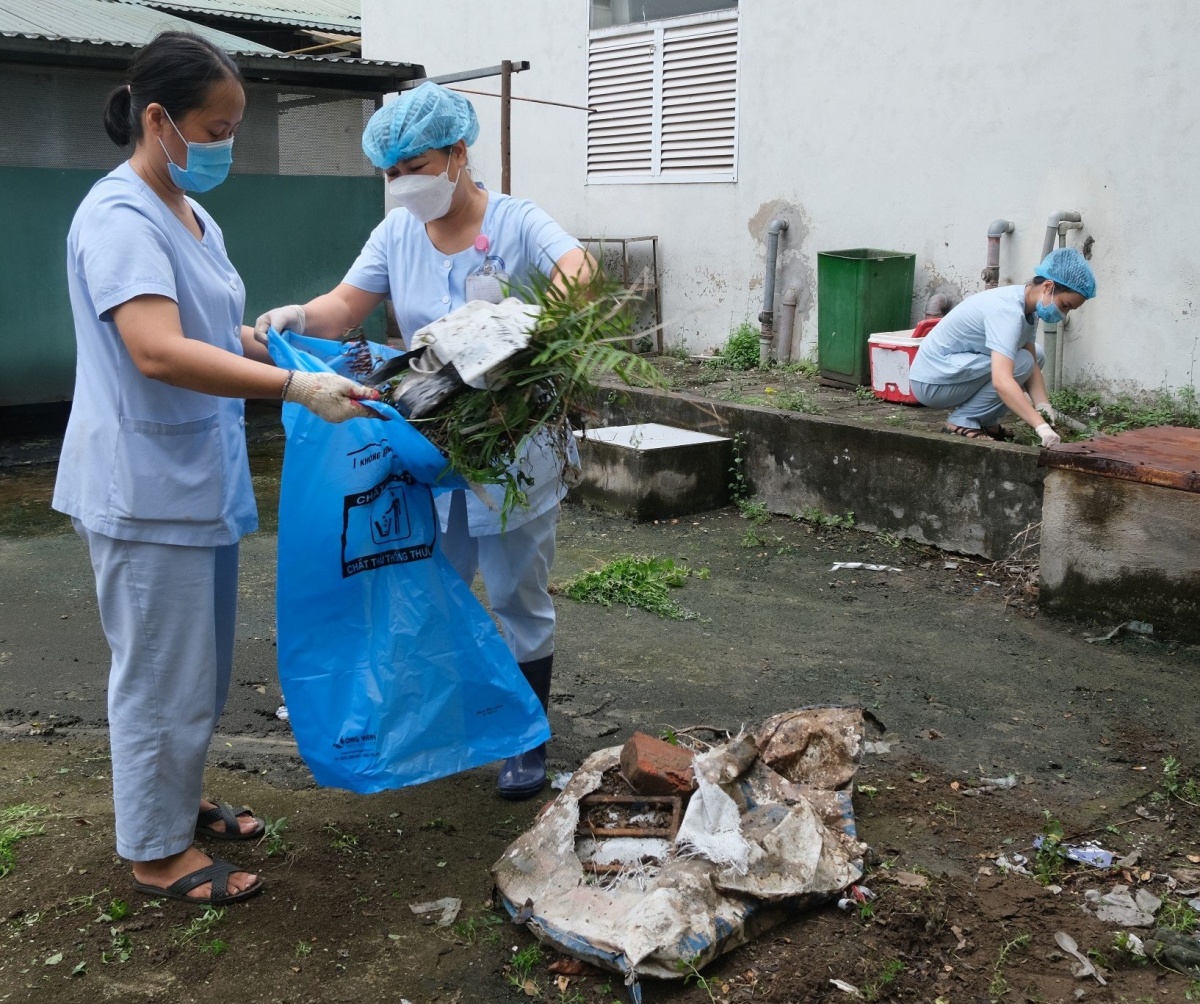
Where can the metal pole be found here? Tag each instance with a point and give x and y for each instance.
(506, 69)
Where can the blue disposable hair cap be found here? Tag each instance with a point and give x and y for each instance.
(1069, 268)
(429, 117)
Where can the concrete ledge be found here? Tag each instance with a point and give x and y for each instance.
(961, 495)
(1117, 550)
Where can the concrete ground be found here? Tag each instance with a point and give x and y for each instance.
(966, 685)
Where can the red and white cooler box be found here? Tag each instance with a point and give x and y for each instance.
(892, 354)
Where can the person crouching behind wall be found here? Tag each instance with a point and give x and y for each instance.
(982, 358)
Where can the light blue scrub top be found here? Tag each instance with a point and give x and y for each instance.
(400, 261)
(959, 348)
(143, 460)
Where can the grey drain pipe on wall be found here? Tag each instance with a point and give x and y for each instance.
(938, 305)
(1056, 226)
(767, 317)
(991, 272)
(787, 321)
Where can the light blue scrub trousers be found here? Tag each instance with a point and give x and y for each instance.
(168, 612)
(516, 573)
(976, 404)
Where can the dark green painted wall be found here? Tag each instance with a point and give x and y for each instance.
(290, 237)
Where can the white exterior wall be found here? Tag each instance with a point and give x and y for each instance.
(870, 123)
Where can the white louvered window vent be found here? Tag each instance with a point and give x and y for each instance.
(664, 102)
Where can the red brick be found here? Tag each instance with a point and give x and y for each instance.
(655, 767)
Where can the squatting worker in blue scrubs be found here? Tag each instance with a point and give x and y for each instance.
(982, 358)
(153, 469)
(421, 257)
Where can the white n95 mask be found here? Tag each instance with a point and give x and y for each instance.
(426, 196)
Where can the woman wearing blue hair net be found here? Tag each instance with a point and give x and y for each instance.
(982, 358)
(445, 245)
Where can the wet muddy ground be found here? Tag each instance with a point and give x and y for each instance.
(967, 685)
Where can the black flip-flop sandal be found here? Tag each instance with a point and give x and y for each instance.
(217, 873)
(224, 812)
(1000, 434)
(966, 432)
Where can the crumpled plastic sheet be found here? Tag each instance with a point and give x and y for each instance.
(769, 831)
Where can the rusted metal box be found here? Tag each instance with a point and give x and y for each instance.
(1121, 530)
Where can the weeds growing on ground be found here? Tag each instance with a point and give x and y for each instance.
(641, 582)
(754, 510)
(1165, 407)
(1177, 916)
(15, 826)
(739, 490)
(740, 351)
(799, 401)
(120, 948)
(520, 968)
(805, 367)
(873, 990)
(478, 927)
(1176, 784)
(343, 843)
(826, 521)
(692, 975)
(200, 926)
(999, 985)
(276, 842)
(1052, 855)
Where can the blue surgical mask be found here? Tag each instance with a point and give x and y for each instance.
(1048, 312)
(207, 163)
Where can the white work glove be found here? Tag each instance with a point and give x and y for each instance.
(1048, 412)
(329, 396)
(1048, 436)
(290, 318)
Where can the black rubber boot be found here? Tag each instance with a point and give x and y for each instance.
(524, 775)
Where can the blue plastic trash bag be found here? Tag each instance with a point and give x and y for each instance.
(392, 671)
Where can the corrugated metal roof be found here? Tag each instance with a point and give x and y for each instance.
(112, 21)
(343, 16)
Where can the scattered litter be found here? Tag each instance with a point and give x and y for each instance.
(1013, 863)
(1145, 813)
(1195, 904)
(1134, 944)
(879, 747)
(1069, 945)
(950, 566)
(839, 565)
(929, 734)
(1120, 908)
(447, 909)
(561, 779)
(1089, 853)
(1135, 627)
(859, 894)
(911, 879)
(1130, 859)
(999, 782)
(770, 825)
(962, 941)
(282, 713)
(847, 988)
(1147, 901)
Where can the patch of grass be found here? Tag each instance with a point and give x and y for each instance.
(15, 826)
(752, 538)
(303, 949)
(800, 401)
(343, 843)
(873, 990)
(805, 367)
(740, 351)
(999, 985)
(1051, 857)
(826, 521)
(214, 947)
(888, 539)
(118, 909)
(754, 510)
(1162, 407)
(1176, 783)
(641, 582)
(198, 927)
(273, 836)
(478, 927)
(1177, 916)
(865, 395)
(520, 969)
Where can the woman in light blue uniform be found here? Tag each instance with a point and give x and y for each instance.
(982, 358)
(427, 257)
(153, 469)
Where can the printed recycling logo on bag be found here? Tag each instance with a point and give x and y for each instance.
(392, 671)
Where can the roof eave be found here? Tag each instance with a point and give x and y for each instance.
(324, 72)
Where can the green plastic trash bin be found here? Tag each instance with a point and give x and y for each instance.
(859, 292)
